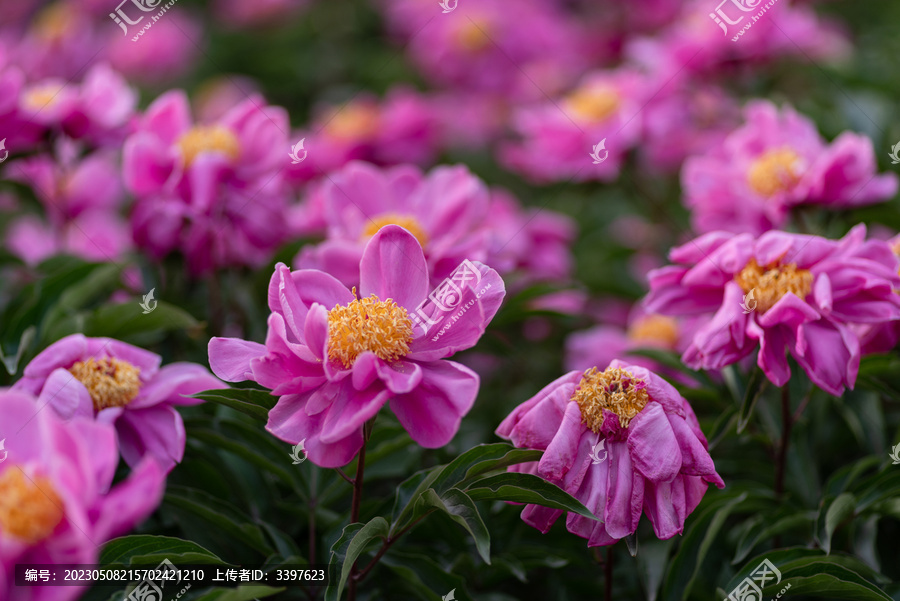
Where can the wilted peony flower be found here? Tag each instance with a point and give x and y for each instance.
(213, 191)
(335, 358)
(120, 384)
(775, 162)
(780, 292)
(56, 504)
(621, 440)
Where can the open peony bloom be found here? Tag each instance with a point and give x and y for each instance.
(335, 356)
(775, 162)
(114, 382)
(783, 293)
(56, 500)
(621, 440)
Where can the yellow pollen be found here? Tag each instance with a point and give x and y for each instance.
(354, 121)
(53, 22)
(208, 138)
(472, 36)
(39, 97)
(594, 103)
(655, 330)
(772, 282)
(774, 171)
(30, 509)
(368, 324)
(406, 222)
(615, 390)
(110, 382)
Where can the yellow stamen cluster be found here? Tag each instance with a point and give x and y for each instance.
(30, 509)
(404, 221)
(110, 382)
(473, 35)
(774, 171)
(53, 22)
(655, 329)
(41, 96)
(593, 103)
(773, 281)
(613, 389)
(357, 120)
(368, 324)
(208, 138)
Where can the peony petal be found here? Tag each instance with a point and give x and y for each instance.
(157, 432)
(654, 448)
(393, 266)
(230, 358)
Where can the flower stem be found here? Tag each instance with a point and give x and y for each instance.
(357, 499)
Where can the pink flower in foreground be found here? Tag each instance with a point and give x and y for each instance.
(213, 191)
(116, 383)
(780, 293)
(335, 358)
(775, 162)
(56, 500)
(557, 138)
(621, 441)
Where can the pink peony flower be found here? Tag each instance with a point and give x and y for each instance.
(400, 129)
(57, 504)
(881, 337)
(62, 39)
(93, 236)
(444, 209)
(520, 51)
(333, 369)
(781, 293)
(213, 191)
(116, 383)
(559, 137)
(165, 52)
(620, 441)
(775, 162)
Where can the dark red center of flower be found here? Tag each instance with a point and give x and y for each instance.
(110, 382)
(30, 509)
(613, 389)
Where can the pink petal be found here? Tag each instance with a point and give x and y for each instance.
(229, 358)
(393, 266)
(157, 432)
(654, 448)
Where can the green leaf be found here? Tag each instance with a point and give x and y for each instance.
(480, 460)
(241, 593)
(226, 517)
(127, 320)
(251, 401)
(145, 549)
(461, 509)
(424, 575)
(11, 363)
(767, 529)
(833, 511)
(755, 386)
(347, 549)
(525, 488)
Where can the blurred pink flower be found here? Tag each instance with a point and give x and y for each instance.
(166, 51)
(57, 504)
(557, 138)
(775, 162)
(61, 41)
(780, 293)
(116, 383)
(881, 337)
(213, 191)
(621, 441)
(524, 50)
(444, 209)
(334, 369)
(400, 129)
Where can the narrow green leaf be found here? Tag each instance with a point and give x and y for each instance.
(251, 401)
(461, 509)
(145, 549)
(347, 549)
(219, 513)
(525, 488)
(755, 386)
(833, 511)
